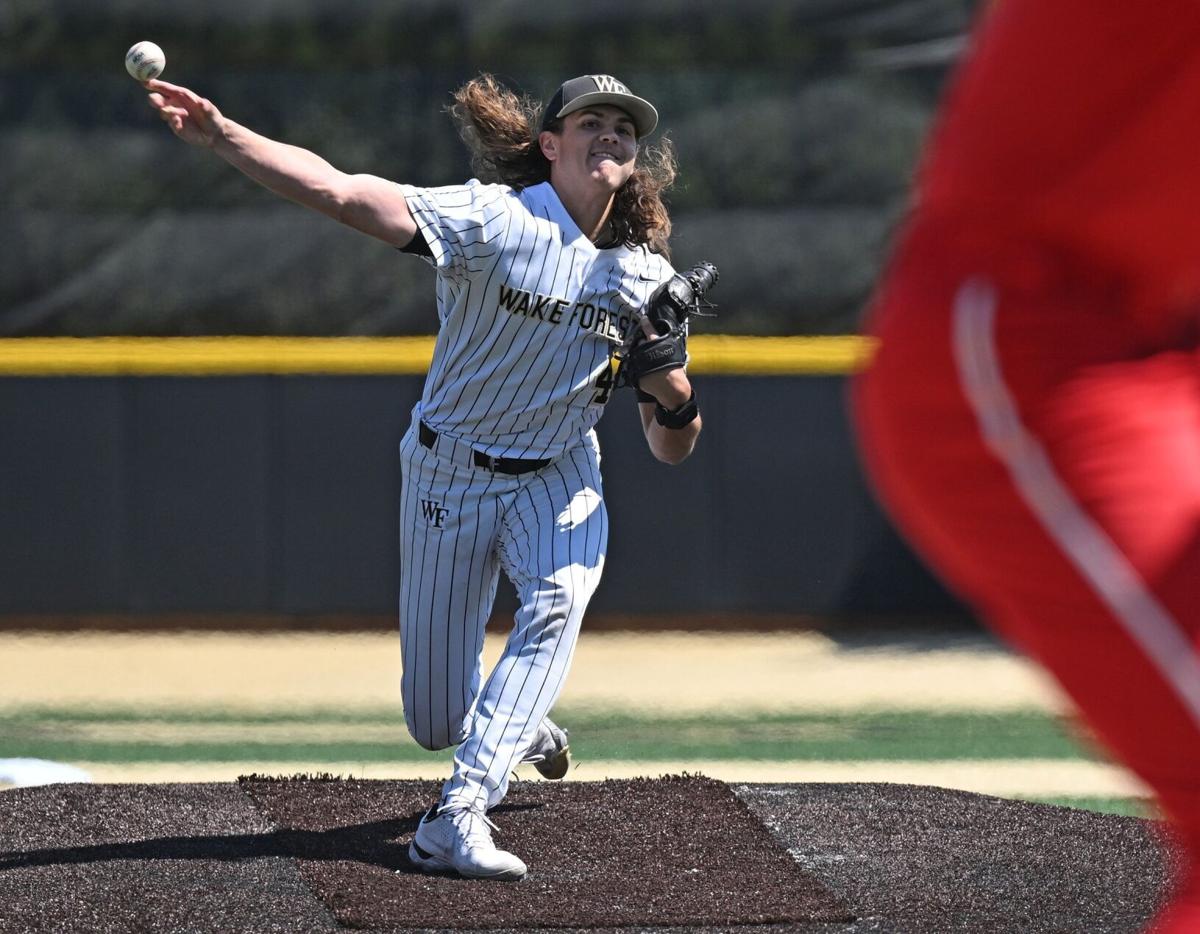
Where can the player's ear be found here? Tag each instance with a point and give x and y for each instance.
(548, 143)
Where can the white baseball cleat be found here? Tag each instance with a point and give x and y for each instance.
(549, 752)
(459, 839)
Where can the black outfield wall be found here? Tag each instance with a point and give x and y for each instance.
(278, 495)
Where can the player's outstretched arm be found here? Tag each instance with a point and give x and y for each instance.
(365, 202)
(673, 390)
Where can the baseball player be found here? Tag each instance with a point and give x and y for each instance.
(543, 271)
(1032, 417)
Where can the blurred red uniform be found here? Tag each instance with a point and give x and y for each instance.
(1032, 417)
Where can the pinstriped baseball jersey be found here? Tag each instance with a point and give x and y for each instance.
(530, 312)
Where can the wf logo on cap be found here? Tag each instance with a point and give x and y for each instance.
(609, 85)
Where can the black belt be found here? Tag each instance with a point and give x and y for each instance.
(509, 465)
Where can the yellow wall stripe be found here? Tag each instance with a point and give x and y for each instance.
(737, 355)
(717, 354)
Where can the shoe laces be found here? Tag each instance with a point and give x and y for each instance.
(471, 822)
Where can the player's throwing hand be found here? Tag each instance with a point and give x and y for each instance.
(194, 119)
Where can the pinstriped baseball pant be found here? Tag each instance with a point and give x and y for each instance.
(460, 525)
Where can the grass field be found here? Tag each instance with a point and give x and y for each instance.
(957, 712)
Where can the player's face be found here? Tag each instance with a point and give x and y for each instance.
(597, 143)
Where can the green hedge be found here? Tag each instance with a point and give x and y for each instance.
(796, 147)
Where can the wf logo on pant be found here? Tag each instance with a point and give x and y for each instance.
(434, 513)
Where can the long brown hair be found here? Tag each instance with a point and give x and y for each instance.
(500, 128)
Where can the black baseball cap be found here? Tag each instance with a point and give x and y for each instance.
(600, 89)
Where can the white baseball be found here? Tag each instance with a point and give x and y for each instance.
(145, 60)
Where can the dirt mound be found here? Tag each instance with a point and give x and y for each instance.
(323, 854)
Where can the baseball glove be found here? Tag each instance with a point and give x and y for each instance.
(668, 311)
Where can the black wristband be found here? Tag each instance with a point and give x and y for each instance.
(677, 418)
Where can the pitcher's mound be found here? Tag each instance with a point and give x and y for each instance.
(326, 855)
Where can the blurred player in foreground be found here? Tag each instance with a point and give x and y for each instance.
(542, 277)
(1032, 419)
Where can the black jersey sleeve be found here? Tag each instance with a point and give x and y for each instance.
(417, 246)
